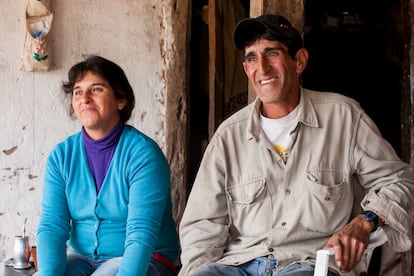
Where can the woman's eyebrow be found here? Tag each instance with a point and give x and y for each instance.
(99, 83)
(92, 84)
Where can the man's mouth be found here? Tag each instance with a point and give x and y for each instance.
(263, 82)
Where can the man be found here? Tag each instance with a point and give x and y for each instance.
(293, 172)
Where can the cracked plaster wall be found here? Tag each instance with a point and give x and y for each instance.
(32, 111)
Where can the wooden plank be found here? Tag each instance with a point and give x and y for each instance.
(407, 96)
(215, 67)
(256, 8)
(176, 113)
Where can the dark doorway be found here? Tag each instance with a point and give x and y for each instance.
(199, 101)
(232, 92)
(356, 49)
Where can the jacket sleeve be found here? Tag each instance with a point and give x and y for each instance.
(204, 226)
(389, 181)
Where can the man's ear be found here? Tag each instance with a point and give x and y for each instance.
(301, 59)
(245, 67)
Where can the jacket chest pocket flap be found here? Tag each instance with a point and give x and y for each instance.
(247, 193)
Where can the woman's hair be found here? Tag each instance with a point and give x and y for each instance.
(107, 70)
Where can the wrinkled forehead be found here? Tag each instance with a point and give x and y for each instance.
(262, 45)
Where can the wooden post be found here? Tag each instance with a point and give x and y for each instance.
(177, 78)
(215, 27)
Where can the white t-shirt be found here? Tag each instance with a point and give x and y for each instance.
(278, 131)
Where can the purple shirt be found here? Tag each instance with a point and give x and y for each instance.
(100, 152)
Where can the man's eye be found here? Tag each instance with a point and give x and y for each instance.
(274, 53)
(251, 58)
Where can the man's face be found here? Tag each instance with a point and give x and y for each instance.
(273, 74)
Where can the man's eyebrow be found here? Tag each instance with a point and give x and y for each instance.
(266, 50)
(249, 54)
(278, 48)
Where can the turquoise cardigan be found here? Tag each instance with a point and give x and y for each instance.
(130, 217)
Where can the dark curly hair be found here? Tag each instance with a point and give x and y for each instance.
(107, 70)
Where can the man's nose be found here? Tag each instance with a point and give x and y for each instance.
(263, 65)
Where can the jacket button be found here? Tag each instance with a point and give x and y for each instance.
(287, 192)
(270, 249)
(283, 224)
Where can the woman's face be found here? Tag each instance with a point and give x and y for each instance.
(95, 105)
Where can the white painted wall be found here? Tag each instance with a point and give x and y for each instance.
(33, 115)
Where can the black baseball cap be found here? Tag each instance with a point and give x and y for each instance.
(249, 28)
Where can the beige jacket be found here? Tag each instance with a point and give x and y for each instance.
(247, 203)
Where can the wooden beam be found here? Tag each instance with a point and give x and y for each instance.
(176, 52)
(256, 8)
(216, 72)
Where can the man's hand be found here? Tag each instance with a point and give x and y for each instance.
(350, 242)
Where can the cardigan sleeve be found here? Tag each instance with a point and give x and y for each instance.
(54, 227)
(149, 196)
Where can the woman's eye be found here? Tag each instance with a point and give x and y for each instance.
(76, 93)
(96, 89)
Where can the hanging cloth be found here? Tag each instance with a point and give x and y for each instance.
(37, 50)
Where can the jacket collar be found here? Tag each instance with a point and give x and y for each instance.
(307, 114)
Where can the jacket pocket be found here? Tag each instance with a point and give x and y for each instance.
(249, 207)
(247, 193)
(328, 203)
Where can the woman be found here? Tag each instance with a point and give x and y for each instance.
(106, 191)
